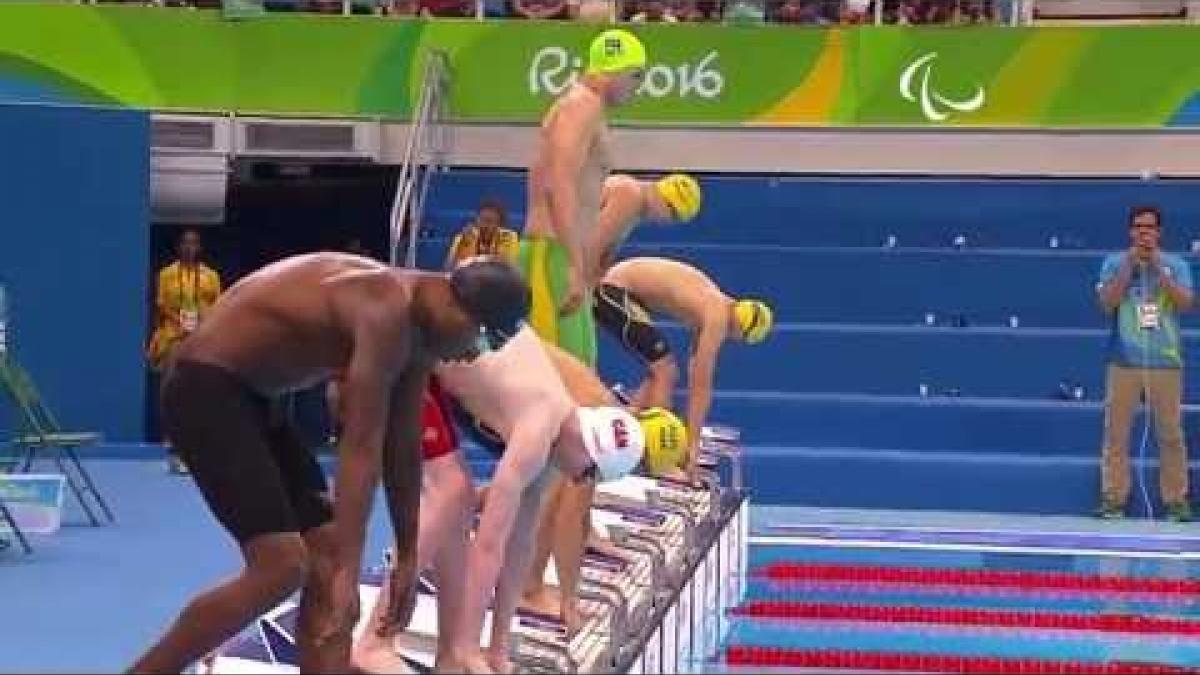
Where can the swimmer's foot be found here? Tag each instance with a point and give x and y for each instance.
(545, 600)
(476, 663)
(378, 657)
(500, 663)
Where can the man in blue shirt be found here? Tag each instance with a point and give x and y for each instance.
(1144, 290)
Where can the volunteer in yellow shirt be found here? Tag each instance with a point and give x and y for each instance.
(488, 235)
(186, 289)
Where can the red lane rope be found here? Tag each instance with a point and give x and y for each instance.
(786, 571)
(1115, 623)
(774, 657)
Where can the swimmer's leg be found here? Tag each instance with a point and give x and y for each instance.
(275, 566)
(576, 331)
(657, 390)
(537, 596)
(222, 432)
(323, 647)
(571, 527)
(316, 605)
(450, 564)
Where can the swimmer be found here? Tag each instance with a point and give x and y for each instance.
(564, 189)
(566, 522)
(635, 288)
(281, 329)
(515, 402)
(626, 200)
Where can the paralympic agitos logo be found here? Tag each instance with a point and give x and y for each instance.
(935, 106)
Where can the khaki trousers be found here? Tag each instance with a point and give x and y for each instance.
(1163, 389)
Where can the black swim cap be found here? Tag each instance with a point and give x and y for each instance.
(492, 291)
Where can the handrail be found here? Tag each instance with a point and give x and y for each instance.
(422, 156)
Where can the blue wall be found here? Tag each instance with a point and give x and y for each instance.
(830, 404)
(73, 237)
(843, 211)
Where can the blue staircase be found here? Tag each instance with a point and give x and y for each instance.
(989, 330)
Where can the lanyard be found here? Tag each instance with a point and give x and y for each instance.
(195, 285)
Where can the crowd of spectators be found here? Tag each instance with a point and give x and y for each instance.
(802, 12)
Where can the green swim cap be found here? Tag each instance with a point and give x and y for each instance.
(615, 50)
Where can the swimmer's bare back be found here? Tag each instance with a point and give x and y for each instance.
(671, 287)
(289, 325)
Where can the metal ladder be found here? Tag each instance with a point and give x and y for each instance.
(424, 155)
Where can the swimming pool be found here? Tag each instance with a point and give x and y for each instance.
(908, 591)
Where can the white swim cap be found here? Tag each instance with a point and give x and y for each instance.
(613, 438)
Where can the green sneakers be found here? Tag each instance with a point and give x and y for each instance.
(1110, 510)
(1179, 512)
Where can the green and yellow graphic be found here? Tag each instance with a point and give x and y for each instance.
(337, 66)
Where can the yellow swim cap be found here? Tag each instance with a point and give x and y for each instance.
(682, 193)
(666, 440)
(754, 320)
(616, 50)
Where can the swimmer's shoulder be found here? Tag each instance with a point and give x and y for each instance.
(578, 106)
(358, 291)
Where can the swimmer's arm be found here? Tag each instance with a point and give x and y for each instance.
(365, 398)
(702, 370)
(570, 140)
(523, 461)
(518, 555)
(402, 484)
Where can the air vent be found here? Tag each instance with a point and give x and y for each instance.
(322, 138)
(189, 134)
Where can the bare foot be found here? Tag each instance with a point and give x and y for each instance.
(379, 661)
(449, 666)
(378, 657)
(545, 600)
(476, 663)
(574, 617)
(500, 663)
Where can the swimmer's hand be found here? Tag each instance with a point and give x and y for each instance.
(574, 296)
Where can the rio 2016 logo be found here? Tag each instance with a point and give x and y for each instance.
(553, 69)
(933, 104)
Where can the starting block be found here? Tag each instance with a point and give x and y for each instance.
(656, 590)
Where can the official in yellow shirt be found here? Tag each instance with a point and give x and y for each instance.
(488, 235)
(186, 289)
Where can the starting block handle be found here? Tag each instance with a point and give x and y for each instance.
(725, 442)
